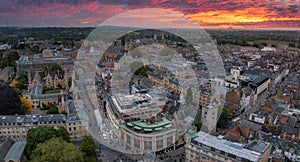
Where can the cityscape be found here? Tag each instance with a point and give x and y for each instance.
(172, 81)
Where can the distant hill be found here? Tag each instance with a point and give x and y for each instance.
(10, 103)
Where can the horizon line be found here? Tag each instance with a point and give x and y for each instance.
(205, 28)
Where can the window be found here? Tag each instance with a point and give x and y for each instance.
(128, 139)
(159, 144)
(147, 145)
(169, 141)
(136, 143)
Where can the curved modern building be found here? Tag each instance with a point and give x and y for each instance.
(140, 124)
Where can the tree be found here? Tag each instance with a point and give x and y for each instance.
(26, 105)
(56, 67)
(38, 135)
(88, 146)
(223, 119)
(63, 133)
(10, 103)
(198, 124)
(41, 134)
(9, 60)
(23, 77)
(35, 49)
(53, 110)
(57, 150)
(141, 71)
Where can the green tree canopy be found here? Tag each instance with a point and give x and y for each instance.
(41, 134)
(10, 103)
(223, 119)
(57, 150)
(88, 146)
(35, 49)
(63, 133)
(56, 67)
(198, 124)
(9, 60)
(53, 110)
(23, 77)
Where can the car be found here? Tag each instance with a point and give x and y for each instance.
(105, 137)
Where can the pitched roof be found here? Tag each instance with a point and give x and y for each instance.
(16, 151)
(251, 125)
(37, 77)
(4, 148)
(233, 97)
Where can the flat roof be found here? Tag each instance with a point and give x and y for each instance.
(147, 135)
(16, 151)
(258, 145)
(136, 102)
(143, 124)
(233, 148)
(129, 99)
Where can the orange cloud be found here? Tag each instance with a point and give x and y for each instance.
(212, 13)
(238, 16)
(235, 18)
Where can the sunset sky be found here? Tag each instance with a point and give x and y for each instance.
(240, 14)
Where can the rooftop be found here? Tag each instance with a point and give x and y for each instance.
(16, 151)
(143, 128)
(232, 148)
(135, 102)
(31, 118)
(138, 131)
(144, 124)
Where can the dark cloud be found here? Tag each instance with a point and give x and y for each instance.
(126, 2)
(76, 11)
(293, 8)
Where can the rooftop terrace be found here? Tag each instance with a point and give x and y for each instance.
(136, 102)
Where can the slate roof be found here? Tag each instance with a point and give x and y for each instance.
(253, 126)
(15, 119)
(37, 77)
(279, 142)
(16, 151)
(4, 148)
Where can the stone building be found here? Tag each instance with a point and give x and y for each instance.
(205, 147)
(16, 126)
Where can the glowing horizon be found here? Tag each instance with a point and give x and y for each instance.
(215, 14)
